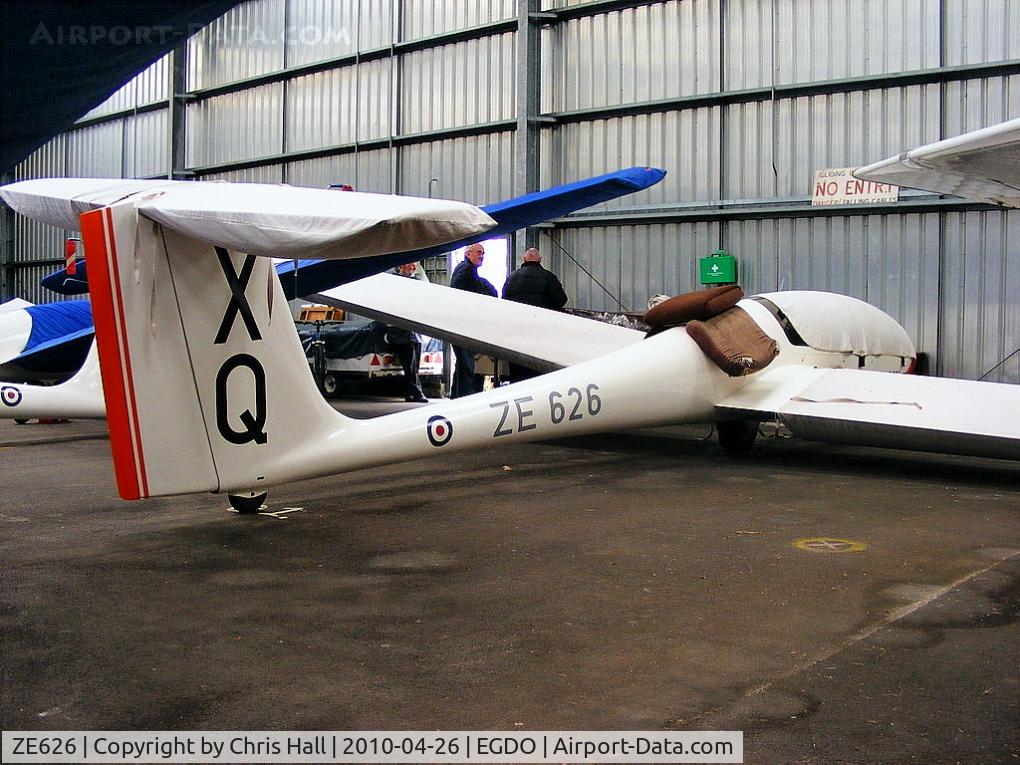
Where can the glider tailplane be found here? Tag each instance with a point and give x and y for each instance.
(199, 359)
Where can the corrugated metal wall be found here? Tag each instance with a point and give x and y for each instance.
(419, 97)
(149, 87)
(426, 18)
(625, 260)
(979, 317)
(237, 126)
(479, 168)
(637, 54)
(35, 241)
(245, 42)
(827, 39)
(456, 85)
(351, 104)
(684, 142)
(365, 170)
(766, 151)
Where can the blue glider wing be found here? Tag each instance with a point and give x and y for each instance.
(312, 276)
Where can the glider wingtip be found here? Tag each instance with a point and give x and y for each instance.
(642, 177)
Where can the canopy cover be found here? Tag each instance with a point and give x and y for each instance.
(842, 324)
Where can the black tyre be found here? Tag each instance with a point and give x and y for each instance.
(736, 435)
(330, 385)
(247, 505)
(20, 421)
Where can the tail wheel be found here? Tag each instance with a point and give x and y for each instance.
(20, 421)
(736, 435)
(247, 505)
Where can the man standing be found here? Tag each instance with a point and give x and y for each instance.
(533, 285)
(465, 277)
(407, 346)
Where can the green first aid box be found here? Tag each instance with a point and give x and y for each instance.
(718, 268)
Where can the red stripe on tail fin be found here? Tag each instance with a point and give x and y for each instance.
(111, 340)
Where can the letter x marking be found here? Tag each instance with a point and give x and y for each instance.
(238, 302)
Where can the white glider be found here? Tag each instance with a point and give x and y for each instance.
(15, 328)
(825, 383)
(79, 396)
(286, 222)
(208, 389)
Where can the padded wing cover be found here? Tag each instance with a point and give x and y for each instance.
(700, 304)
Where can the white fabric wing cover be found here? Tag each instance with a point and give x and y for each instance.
(59, 201)
(260, 219)
(291, 222)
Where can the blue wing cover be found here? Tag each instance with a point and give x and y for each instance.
(57, 346)
(54, 320)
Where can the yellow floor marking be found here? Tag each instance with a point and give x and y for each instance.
(829, 545)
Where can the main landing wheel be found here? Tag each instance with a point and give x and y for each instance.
(736, 435)
(247, 505)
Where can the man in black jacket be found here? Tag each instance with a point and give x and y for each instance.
(465, 277)
(407, 345)
(534, 285)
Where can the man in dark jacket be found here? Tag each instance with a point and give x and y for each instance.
(407, 345)
(533, 285)
(465, 277)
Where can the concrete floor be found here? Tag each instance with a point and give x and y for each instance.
(636, 581)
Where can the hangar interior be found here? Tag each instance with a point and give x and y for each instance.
(742, 101)
(834, 604)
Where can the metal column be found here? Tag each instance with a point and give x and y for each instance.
(396, 97)
(178, 113)
(528, 102)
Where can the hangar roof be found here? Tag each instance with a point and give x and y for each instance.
(61, 58)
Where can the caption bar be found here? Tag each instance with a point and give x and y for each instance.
(372, 746)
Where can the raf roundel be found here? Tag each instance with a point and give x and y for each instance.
(10, 395)
(439, 430)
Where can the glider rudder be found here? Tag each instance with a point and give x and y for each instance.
(207, 386)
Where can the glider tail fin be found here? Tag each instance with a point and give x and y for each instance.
(200, 361)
